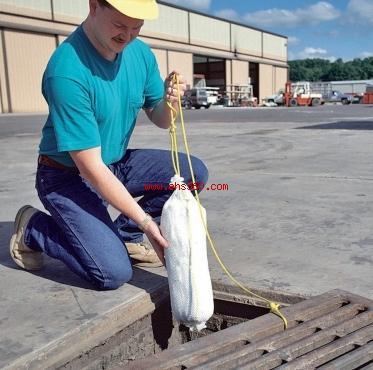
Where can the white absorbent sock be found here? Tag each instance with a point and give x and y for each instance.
(186, 258)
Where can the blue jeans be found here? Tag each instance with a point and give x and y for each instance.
(79, 230)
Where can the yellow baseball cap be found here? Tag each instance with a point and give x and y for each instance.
(140, 9)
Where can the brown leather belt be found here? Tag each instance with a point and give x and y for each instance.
(47, 161)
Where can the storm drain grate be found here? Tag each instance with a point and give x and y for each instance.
(330, 331)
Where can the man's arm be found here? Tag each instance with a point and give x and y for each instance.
(160, 115)
(93, 169)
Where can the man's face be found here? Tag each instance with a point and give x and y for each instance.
(114, 30)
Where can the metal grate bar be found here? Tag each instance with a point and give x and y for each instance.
(368, 367)
(257, 329)
(241, 356)
(359, 357)
(333, 329)
(311, 343)
(333, 350)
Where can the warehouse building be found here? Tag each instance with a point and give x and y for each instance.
(351, 87)
(224, 54)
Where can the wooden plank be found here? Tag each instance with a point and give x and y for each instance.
(331, 351)
(240, 356)
(322, 338)
(352, 360)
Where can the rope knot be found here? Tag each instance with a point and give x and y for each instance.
(275, 309)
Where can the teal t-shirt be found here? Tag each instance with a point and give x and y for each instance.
(95, 102)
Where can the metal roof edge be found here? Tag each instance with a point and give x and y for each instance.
(353, 81)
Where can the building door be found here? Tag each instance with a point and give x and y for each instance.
(254, 77)
(211, 69)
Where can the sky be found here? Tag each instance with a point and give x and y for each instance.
(315, 29)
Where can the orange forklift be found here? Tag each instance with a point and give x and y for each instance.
(300, 94)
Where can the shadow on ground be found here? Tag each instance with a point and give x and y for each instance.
(342, 125)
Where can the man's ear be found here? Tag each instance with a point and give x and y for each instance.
(93, 4)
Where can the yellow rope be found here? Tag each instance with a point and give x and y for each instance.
(273, 306)
(174, 148)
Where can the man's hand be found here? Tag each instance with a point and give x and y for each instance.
(156, 239)
(172, 89)
(160, 115)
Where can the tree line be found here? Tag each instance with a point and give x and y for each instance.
(324, 70)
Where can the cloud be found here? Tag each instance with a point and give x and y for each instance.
(229, 14)
(311, 15)
(310, 52)
(366, 54)
(292, 40)
(360, 11)
(193, 4)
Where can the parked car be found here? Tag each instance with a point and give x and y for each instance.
(196, 98)
(357, 98)
(338, 97)
(274, 100)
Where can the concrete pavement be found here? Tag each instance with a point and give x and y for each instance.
(297, 217)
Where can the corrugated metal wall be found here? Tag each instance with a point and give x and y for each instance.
(351, 87)
(266, 78)
(4, 106)
(162, 59)
(27, 55)
(30, 8)
(274, 47)
(182, 63)
(169, 61)
(71, 11)
(171, 21)
(246, 40)
(240, 72)
(209, 32)
(281, 75)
